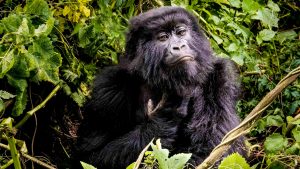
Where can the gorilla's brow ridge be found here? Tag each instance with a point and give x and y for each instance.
(167, 22)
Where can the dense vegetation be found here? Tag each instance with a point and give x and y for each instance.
(52, 48)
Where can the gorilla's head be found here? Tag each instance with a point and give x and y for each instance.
(168, 49)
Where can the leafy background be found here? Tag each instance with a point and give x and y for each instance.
(59, 44)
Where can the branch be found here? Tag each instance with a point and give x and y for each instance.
(38, 107)
(252, 117)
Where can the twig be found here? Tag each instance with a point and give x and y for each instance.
(245, 125)
(29, 157)
(38, 107)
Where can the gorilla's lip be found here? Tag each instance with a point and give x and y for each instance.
(183, 59)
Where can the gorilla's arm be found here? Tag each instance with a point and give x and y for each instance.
(114, 132)
(217, 116)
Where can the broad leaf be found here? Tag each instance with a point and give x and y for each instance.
(38, 7)
(250, 6)
(45, 29)
(275, 143)
(273, 6)
(21, 94)
(161, 155)
(274, 120)
(12, 22)
(178, 161)
(296, 133)
(7, 62)
(267, 17)
(47, 62)
(234, 161)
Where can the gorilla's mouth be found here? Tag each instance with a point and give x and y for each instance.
(183, 58)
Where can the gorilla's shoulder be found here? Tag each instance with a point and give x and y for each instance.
(114, 91)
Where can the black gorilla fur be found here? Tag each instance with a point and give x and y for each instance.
(201, 94)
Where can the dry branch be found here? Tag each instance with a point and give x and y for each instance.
(246, 124)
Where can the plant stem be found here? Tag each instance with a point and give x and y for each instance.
(14, 152)
(9, 163)
(38, 107)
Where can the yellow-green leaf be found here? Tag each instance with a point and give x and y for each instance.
(66, 10)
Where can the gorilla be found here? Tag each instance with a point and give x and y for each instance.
(168, 85)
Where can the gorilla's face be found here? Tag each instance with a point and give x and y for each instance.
(170, 52)
(175, 41)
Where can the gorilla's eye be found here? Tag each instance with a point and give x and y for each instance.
(162, 36)
(181, 31)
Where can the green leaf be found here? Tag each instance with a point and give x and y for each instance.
(266, 34)
(275, 120)
(131, 166)
(217, 38)
(235, 3)
(286, 35)
(240, 29)
(250, 6)
(237, 58)
(178, 161)
(23, 32)
(45, 29)
(161, 155)
(20, 68)
(294, 106)
(275, 143)
(84, 36)
(267, 17)
(234, 161)
(273, 6)
(12, 22)
(38, 7)
(87, 166)
(21, 94)
(6, 63)
(6, 95)
(296, 133)
(42, 57)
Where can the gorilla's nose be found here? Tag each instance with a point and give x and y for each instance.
(175, 48)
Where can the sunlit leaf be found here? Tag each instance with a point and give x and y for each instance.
(6, 95)
(66, 10)
(12, 22)
(7, 62)
(45, 29)
(273, 6)
(234, 161)
(178, 161)
(87, 166)
(267, 17)
(296, 133)
(250, 6)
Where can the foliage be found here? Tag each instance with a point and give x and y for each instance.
(87, 166)
(159, 158)
(234, 161)
(60, 42)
